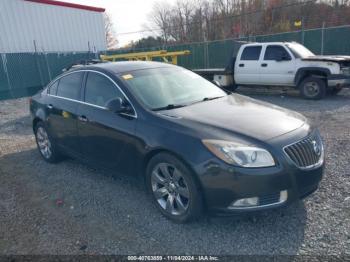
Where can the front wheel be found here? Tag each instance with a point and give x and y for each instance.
(313, 88)
(173, 188)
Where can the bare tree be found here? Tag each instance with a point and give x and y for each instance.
(111, 38)
(206, 20)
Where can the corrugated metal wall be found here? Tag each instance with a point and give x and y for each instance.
(29, 27)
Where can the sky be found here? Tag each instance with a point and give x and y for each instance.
(127, 15)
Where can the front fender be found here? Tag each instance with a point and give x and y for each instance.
(310, 70)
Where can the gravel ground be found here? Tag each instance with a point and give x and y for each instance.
(69, 208)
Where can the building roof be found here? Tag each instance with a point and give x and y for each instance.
(70, 5)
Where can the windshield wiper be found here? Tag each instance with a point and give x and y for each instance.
(168, 107)
(206, 99)
(211, 98)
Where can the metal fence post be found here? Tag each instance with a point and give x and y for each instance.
(322, 38)
(4, 64)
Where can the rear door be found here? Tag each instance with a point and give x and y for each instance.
(247, 67)
(277, 71)
(64, 98)
(106, 138)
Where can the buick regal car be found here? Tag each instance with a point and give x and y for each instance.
(198, 147)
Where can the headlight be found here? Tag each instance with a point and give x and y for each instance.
(240, 155)
(345, 70)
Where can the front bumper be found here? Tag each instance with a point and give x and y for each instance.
(224, 184)
(339, 81)
(223, 187)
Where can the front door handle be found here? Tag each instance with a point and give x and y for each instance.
(241, 65)
(50, 106)
(264, 65)
(83, 119)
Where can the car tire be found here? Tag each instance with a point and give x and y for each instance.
(173, 188)
(313, 88)
(45, 144)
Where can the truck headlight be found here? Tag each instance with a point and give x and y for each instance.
(345, 70)
(240, 155)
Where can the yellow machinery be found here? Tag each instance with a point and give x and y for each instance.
(167, 57)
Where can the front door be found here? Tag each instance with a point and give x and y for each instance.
(278, 66)
(105, 137)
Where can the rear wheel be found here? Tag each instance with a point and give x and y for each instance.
(313, 88)
(45, 144)
(173, 188)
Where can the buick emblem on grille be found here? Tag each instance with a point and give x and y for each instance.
(316, 148)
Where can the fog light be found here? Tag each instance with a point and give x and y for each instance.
(246, 202)
(283, 196)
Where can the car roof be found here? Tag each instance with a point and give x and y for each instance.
(125, 66)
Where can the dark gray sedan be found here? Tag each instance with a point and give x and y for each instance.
(197, 146)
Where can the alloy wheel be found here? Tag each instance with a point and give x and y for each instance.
(170, 189)
(43, 142)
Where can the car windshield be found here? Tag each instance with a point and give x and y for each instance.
(168, 88)
(300, 51)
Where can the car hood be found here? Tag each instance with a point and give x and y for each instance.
(334, 58)
(237, 114)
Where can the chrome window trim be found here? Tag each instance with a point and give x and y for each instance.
(82, 102)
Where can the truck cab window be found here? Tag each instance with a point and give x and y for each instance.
(251, 53)
(275, 52)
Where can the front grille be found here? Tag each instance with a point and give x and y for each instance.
(269, 199)
(307, 152)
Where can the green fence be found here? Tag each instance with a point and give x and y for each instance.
(325, 41)
(25, 73)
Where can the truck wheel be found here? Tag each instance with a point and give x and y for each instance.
(334, 91)
(313, 88)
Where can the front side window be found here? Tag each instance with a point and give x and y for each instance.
(251, 53)
(170, 87)
(275, 52)
(99, 90)
(69, 86)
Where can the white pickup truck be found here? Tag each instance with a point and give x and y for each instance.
(282, 64)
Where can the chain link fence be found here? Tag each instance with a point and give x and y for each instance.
(23, 74)
(215, 54)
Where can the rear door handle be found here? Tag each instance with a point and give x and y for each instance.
(50, 106)
(241, 65)
(83, 119)
(264, 65)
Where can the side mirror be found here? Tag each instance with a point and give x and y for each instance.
(282, 57)
(216, 83)
(117, 105)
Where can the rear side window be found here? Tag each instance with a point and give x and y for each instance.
(69, 86)
(99, 90)
(275, 52)
(53, 88)
(251, 53)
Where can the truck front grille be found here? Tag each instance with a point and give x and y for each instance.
(306, 153)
